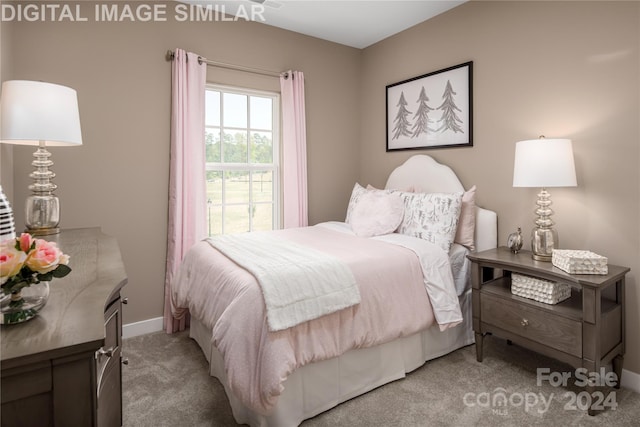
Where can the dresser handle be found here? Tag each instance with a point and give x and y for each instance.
(125, 361)
(125, 300)
(524, 322)
(108, 352)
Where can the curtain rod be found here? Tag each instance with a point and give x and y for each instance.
(203, 60)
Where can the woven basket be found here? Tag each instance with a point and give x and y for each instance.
(540, 290)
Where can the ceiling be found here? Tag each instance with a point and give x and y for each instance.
(355, 23)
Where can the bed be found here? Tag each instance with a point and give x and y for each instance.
(322, 375)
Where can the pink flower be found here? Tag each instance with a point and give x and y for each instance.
(45, 257)
(25, 240)
(11, 260)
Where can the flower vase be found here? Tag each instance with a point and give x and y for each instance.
(20, 306)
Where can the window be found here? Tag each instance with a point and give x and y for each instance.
(242, 160)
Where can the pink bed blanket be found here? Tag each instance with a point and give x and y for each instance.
(227, 299)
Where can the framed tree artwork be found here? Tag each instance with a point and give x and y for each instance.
(434, 110)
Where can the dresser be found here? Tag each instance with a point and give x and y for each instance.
(587, 330)
(63, 368)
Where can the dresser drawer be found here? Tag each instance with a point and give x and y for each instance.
(109, 354)
(532, 323)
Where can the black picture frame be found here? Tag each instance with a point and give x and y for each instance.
(442, 113)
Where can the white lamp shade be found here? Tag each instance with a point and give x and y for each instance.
(31, 112)
(544, 163)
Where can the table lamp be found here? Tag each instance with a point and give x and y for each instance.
(42, 114)
(544, 163)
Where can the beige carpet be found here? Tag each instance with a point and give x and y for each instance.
(166, 384)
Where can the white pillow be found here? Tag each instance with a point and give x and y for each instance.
(357, 192)
(376, 213)
(431, 216)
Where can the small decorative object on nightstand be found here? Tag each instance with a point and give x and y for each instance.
(579, 262)
(546, 291)
(586, 330)
(514, 242)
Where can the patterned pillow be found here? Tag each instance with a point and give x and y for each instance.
(357, 192)
(431, 216)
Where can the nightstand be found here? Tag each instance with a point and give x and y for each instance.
(586, 330)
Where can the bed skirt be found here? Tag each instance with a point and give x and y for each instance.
(323, 385)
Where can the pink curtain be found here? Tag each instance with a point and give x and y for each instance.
(294, 146)
(187, 204)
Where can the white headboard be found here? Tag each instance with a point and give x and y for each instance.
(426, 175)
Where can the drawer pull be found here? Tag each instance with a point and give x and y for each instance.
(524, 322)
(125, 361)
(108, 352)
(125, 300)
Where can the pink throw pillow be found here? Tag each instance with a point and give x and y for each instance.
(465, 234)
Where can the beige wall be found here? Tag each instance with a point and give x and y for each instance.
(562, 69)
(118, 179)
(6, 151)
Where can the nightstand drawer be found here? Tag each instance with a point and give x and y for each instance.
(535, 324)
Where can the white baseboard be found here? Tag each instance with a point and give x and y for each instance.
(631, 380)
(141, 328)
